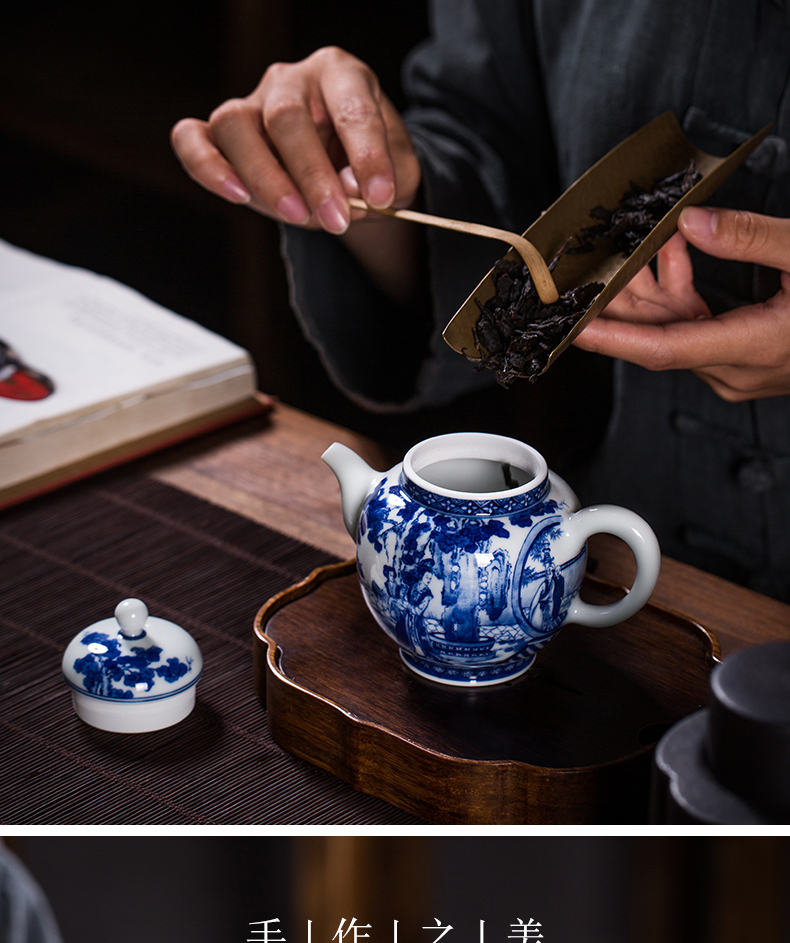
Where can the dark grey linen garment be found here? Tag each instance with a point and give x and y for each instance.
(511, 102)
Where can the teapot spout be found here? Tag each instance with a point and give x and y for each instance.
(356, 478)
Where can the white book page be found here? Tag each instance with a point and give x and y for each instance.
(21, 270)
(97, 340)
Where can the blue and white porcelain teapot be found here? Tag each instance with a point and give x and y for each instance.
(470, 554)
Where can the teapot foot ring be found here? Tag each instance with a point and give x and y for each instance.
(468, 677)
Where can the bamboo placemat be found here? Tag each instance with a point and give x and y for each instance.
(66, 560)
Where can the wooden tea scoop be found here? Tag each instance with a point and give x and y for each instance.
(541, 276)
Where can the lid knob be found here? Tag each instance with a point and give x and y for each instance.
(132, 614)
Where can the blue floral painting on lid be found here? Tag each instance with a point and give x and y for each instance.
(106, 665)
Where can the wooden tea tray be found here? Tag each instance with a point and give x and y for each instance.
(570, 742)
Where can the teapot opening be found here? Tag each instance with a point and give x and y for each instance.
(474, 463)
(475, 475)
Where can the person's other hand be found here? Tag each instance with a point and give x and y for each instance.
(311, 134)
(663, 324)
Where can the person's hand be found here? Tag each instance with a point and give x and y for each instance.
(663, 324)
(310, 135)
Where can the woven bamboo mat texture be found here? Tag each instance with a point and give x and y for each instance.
(66, 560)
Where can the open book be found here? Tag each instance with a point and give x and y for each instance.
(92, 373)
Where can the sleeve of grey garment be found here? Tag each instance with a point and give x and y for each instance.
(25, 914)
(479, 124)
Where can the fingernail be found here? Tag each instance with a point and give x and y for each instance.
(331, 216)
(379, 191)
(292, 208)
(349, 180)
(699, 221)
(235, 192)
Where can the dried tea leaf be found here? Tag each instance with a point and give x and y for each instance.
(516, 332)
(638, 212)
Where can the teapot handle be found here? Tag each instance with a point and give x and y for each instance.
(637, 533)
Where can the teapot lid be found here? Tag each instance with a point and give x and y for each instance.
(134, 672)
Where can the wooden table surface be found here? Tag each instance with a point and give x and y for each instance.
(271, 471)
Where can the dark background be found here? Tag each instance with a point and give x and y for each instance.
(89, 91)
(600, 889)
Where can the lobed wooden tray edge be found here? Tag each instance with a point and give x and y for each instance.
(435, 786)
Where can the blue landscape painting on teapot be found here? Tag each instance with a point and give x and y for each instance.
(460, 588)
